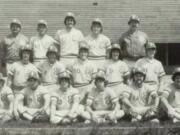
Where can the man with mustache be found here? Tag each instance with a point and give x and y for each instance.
(11, 43)
(69, 39)
(132, 42)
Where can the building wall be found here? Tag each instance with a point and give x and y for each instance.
(159, 18)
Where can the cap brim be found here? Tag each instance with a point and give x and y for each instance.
(133, 20)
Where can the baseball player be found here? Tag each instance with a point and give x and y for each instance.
(170, 97)
(50, 68)
(18, 73)
(33, 98)
(132, 42)
(154, 69)
(117, 71)
(68, 39)
(102, 102)
(83, 71)
(11, 44)
(41, 42)
(98, 42)
(6, 101)
(65, 102)
(141, 102)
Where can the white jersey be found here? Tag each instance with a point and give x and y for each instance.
(69, 41)
(116, 71)
(153, 69)
(49, 72)
(20, 72)
(139, 97)
(82, 71)
(65, 99)
(34, 98)
(102, 100)
(172, 94)
(98, 46)
(40, 45)
(4, 101)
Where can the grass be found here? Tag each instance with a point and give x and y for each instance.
(122, 128)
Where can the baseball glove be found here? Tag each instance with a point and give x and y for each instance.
(40, 117)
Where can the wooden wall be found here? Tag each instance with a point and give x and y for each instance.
(160, 18)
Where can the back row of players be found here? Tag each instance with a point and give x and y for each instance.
(82, 84)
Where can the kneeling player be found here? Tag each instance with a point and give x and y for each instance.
(102, 103)
(33, 99)
(140, 102)
(83, 71)
(6, 101)
(65, 102)
(171, 97)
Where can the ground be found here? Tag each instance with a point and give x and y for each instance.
(122, 128)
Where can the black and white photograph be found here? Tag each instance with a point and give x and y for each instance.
(89, 67)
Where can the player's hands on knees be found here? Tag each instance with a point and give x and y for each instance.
(95, 117)
(111, 116)
(153, 108)
(134, 111)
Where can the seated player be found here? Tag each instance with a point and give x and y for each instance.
(18, 73)
(83, 71)
(117, 71)
(6, 101)
(141, 102)
(32, 99)
(102, 102)
(170, 97)
(65, 100)
(50, 68)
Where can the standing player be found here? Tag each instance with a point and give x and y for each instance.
(50, 69)
(6, 101)
(98, 43)
(18, 73)
(141, 101)
(117, 71)
(82, 71)
(33, 98)
(65, 101)
(41, 42)
(68, 39)
(11, 44)
(132, 42)
(153, 68)
(171, 97)
(102, 102)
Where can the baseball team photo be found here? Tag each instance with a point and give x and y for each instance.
(94, 67)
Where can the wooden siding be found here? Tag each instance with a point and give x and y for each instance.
(160, 19)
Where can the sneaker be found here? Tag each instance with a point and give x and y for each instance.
(175, 120)
(155, 121)
(134, 120)
(66, 121)
(87, 122)
(101, 120)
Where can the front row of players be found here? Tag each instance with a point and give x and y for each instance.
(63, 104)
